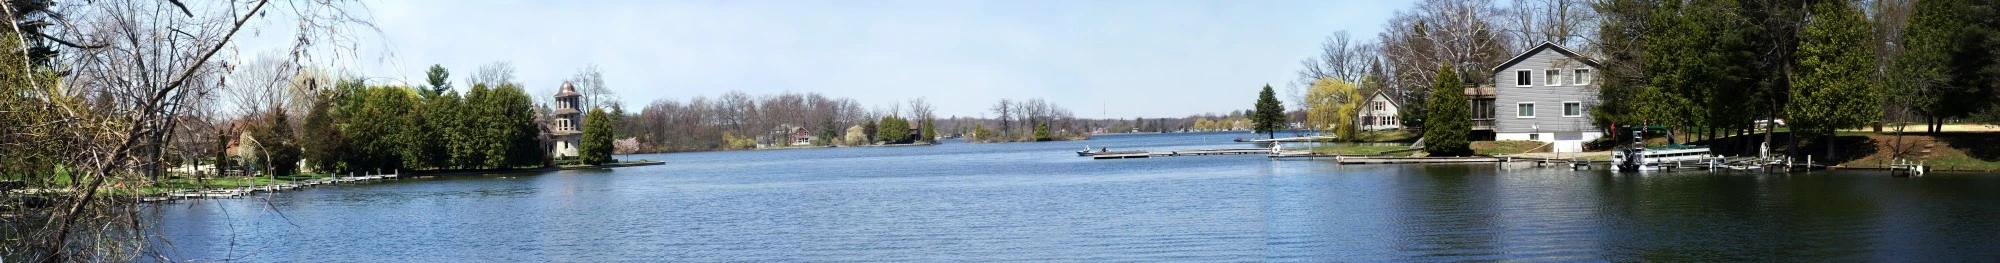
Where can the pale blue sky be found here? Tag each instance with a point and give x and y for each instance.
(1116, 59)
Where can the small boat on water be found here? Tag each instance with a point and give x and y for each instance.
(1086, 152)
(1639, 157)
(1630, 159)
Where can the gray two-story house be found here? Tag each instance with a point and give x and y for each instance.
(1544, 94)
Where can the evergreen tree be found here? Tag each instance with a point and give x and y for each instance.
(323, 145)
(869, 130)
(893, 130)
(929, 132)
(514, 118)
(595, 149)
(1042, 132)
(437, 129)
(1270, 114)
(1939, 71)
(275, 138)
(1831, 86)
(381, 132)
(439, 78)
(472, 117)
(828, 131)
(1449, 119)
(221, 151)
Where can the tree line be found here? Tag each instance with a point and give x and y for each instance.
(1709, 68)
(354, 127)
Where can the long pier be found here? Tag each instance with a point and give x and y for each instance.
(1150, 154)
(248, 190)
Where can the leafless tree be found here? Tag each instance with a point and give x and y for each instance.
(699, 123)
(1416, 41)
(139, 72)
(920, 109)
(493, 74)
(1566, 23)
(1341, 57)
(1004, 111)
(589, 82)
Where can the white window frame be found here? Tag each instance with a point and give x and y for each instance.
(1579, 109)
(1581, 76)
(1552, 77)
(1530, 109)
(1524, 76)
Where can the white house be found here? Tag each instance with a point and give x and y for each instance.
(1380, 113)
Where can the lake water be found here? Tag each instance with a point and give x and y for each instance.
(1038, 202)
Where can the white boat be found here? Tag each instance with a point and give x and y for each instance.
(1649, 158)
(1638, 157)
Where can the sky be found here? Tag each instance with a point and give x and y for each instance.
(1099, 59)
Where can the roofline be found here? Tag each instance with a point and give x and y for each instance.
(1385, 96)
(1545, 45)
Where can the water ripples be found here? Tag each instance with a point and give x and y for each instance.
(1031, 202)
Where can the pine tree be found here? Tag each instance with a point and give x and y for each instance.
(515, 118)
(1042, 132)
(479, 135)
(323, 145)
(441, 115)
(929, 132)
(439, 79)
(1938, 73)
(282, 156)
(1449, 119)
(893, 130)
(1831, 87)
(221, 151)
(1269, 115)
(595, 149)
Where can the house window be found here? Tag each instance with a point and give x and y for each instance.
(1582, 76)
(1527, 110)
(1554, 77)
(1572, 109)
(1522, 78)
(1377, 106)
(1534, 136)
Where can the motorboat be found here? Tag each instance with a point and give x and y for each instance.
(1639, 157)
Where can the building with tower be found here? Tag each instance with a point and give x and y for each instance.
(567, 126)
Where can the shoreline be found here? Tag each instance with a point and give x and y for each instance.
(237, 192)
(542, 169)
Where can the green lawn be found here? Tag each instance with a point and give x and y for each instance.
(1387, 136)
(1506, 147)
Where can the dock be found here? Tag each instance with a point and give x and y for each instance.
(1150, 154)
(239, 192)
(1290, 139)
(1398, 160)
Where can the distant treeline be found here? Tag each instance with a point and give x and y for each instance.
(702, 123)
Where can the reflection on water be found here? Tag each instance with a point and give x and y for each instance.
(1036, 202)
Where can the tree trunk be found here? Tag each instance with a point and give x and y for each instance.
(1792, 147)
(1770, 127)
(1830, 137)
(1742, 139)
